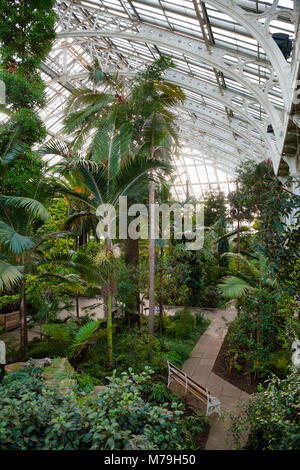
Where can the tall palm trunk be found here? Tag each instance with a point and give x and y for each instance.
(109, 322)
(151, 257)
(109, 329)
(23, 322)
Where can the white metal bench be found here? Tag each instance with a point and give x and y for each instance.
(213, 404)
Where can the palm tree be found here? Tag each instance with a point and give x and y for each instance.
(22, 251)
(159, 137)
(104, 182)
(136, 120)
(254, 275)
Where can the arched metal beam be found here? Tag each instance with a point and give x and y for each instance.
(225, 165)
(227, 135)
(226, 97)
(210, 134)
(212, 92)
(253, 25)
(206, 146)
(233, 126)
(196, 50)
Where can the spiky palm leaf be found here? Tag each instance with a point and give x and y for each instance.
(14, 241)
(84, 335)
(10, 276)
(233, 287)
(31, 206)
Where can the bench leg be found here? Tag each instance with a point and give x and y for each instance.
(211, 408)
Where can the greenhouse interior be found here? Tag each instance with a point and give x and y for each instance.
(149, 227)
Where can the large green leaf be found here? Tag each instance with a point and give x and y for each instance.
(233, 287)
(10, 276)
(31, 206)
(85, 333)
(14, 241)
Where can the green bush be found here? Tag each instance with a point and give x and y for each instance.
(278, 363)
(193, 426)
(183, 325)
(253, 334)
(271, 417)
(9, 303)
(34, 415)
(49, 348)
(160, 394)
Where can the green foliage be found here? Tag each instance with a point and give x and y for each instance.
(261, 194)
(160, 394)
(9, 303)
(50, 348)
(253, 334)
(26, 32)
(188, 274)
(182, 326)
(271, 416)
(277, 363)
(22, 91)
(57, 247)
(193, 426)
(36, 416)
(20, 173)
(214, 208)
(72, 338)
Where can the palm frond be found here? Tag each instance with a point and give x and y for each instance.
(58, 333)
(130, 171)
(10, 276)
(57, 147)
(85, 334)
(33, 207)
(233, 287)
(14, 241)
(248, 264)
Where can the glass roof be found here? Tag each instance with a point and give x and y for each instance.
(226, 69)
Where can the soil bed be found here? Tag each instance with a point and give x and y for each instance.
(234, 377)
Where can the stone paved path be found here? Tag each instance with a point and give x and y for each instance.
(199, 367)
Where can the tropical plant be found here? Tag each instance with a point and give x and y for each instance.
(22, 250)
(270, 418)
(153, 99)
(26, 36)
(254, 275)
(104, 182)
(73, 338)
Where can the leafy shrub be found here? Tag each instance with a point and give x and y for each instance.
(50, 348)
(160, 394)
(94, 370)
(86, 382)
(34, 415)
(253, 334)
(183, 325)
(193, 426)
(271, 416)
(9, 303)
(278, 363)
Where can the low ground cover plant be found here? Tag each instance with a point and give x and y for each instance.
(34, 415)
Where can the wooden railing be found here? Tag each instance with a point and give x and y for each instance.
(212, 404)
